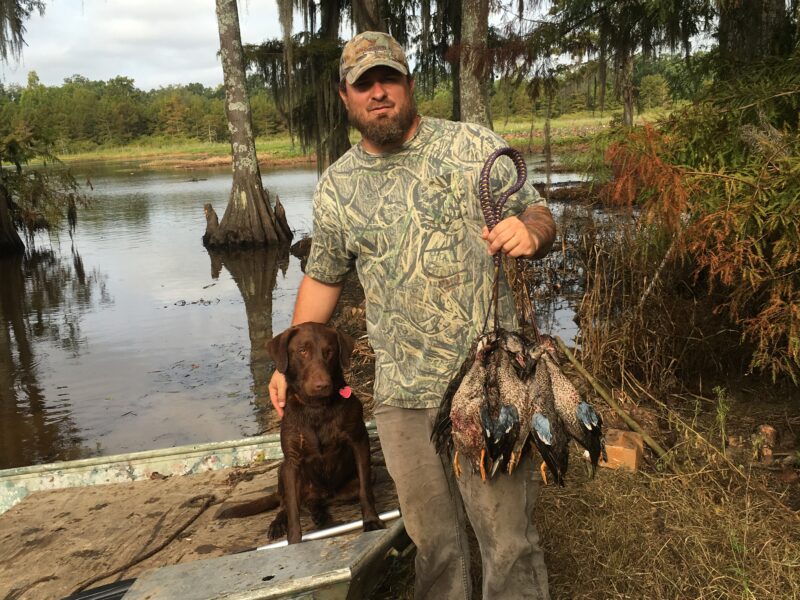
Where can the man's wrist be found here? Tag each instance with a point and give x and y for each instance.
(541, 227)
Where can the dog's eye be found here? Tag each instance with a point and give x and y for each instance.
(302, 350)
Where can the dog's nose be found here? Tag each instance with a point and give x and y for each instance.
(321, 386)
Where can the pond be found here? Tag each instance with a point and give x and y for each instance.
(128, 335)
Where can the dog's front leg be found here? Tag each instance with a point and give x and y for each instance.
(291, 487)
(365, 495)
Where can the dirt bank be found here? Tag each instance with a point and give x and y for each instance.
(205, 162)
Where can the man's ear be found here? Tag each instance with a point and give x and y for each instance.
(343, 95)
(346, 344)
(278, 348)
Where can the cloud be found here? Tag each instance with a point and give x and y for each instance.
(156, 43)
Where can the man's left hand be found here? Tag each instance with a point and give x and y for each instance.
(511, 237)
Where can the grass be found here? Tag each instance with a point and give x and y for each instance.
(278, 147)
(559, 125)
(567, 130)
(707, 533)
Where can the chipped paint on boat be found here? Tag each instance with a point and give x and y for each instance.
(17, 483)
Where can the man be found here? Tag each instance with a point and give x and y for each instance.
(401, 208)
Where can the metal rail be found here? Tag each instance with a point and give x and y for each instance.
(334, 531)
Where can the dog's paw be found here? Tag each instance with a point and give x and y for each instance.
(277, 528)
(374, 525)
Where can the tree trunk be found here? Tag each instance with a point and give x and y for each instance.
(455, 26)
(752, 30)
(332, 126)
(626, 79)
(548, 149)
(474, 62)
(10, 242)
(248, 219)
(603, 68)
(367, 16)
(286, 18)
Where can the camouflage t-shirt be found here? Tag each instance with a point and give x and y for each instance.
(410, 222)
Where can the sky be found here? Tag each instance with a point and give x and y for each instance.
(154, 42)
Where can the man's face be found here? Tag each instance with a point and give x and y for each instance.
(380, 104)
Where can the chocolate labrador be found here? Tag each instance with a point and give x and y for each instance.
(323, 437)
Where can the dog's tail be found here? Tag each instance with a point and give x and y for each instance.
(238, 510)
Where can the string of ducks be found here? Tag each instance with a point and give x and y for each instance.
(510, 393)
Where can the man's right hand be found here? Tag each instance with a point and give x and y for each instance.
(277, 392)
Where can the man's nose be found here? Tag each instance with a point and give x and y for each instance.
(377, 91)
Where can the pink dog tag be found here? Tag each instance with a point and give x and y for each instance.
(345, 391)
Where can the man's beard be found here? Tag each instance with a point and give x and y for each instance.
(389, 131)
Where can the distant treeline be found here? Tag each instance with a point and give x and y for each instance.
(658, 82)
(82, 115)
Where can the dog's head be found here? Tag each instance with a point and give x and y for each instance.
(313, 358)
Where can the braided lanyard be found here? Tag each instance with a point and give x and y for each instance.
(492, 213)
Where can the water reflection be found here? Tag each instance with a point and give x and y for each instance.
(42, 301)
(255, 271)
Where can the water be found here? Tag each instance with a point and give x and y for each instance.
(131, 336)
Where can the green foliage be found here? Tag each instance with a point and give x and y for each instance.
(686, 77)
(723, 175)
(653, 92)
(440, 105)
(39, 197)
(510, 99)
(82, 114)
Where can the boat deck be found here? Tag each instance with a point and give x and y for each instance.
(56, 542)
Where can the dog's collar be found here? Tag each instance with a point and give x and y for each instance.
(345, 391)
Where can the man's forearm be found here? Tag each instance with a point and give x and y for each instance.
(540, 224)
(316, 301)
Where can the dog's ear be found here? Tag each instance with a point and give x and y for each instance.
(278, 348)
(346, 344)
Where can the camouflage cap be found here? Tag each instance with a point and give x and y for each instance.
(371, 49)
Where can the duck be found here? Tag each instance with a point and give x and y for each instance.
(484, 412)
(457, 429)
(548, 432)
(580, 419)
(512, 387)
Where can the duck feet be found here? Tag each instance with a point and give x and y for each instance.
(512, 462)
(482, 467)
(456, 465)
(543, 471)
